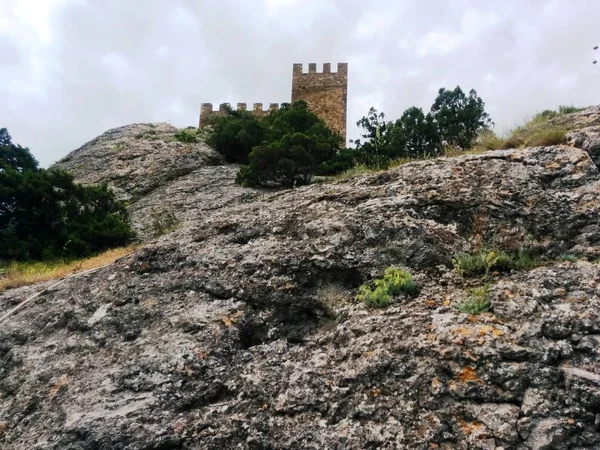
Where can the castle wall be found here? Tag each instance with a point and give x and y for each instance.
(207, 112)
(326, 93)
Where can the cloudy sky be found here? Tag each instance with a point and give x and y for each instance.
(71, 69)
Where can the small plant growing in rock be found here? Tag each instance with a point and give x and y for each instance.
(569, 258)
(482, 262)
(466, 264)
(162, 222)
(477, 302)
(394, 282)
(186, 135)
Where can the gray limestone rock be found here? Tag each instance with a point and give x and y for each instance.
(240, 328)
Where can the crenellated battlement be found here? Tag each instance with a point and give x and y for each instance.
(298, 69)
(207, 110)
(325, 93)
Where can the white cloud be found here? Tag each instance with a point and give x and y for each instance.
(72, 69)
(443, 41)
(438, 42)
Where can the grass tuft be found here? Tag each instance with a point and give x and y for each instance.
(162, 222)
(569, 258)
(477, 302)
(18, 274)
(394, 282)
(360, 169)
(484, 261)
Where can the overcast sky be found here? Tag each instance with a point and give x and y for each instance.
(71, 69)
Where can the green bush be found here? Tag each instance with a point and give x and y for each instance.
(414, 135)
(296, 143)
(569, 258)
(394, 282)
(477, 302)
(235, 135)
(45, 215)
(186, 135)
(342, 161)
(568, 109)
(484, 261)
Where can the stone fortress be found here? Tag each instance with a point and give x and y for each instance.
(326, 94)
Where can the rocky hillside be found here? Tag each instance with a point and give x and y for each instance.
(136, 159)
(240, 329)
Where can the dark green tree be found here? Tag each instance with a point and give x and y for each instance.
(373, 145)
(296, 144)
(45, 215)
(460, 117)
(414, 135)
(235, 135)
(14, 156)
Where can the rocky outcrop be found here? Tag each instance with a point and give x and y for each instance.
(240, 328)
(587, 117)
(588, 139)
(136, 159)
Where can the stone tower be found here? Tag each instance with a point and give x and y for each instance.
(326, 93)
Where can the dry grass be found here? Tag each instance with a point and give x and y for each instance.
(547, 136)
(450, 152)
(17, 274)
(401, 161)
(360, 169)
(543, 129)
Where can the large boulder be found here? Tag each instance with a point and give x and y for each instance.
(136, 159)
(240, 329)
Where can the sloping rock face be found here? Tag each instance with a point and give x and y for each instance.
(586, 118)
(240, 328)
(136, 159)
(588, 139)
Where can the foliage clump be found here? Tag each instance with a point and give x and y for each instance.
(235, 135)
(394, 282)
(477, 302)
(454, 121)
(285, 148)
(290, 145)
(44, 215)
(186, 135)
(482, 262)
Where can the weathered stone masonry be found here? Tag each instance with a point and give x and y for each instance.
(326, 94)
(206, 110)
